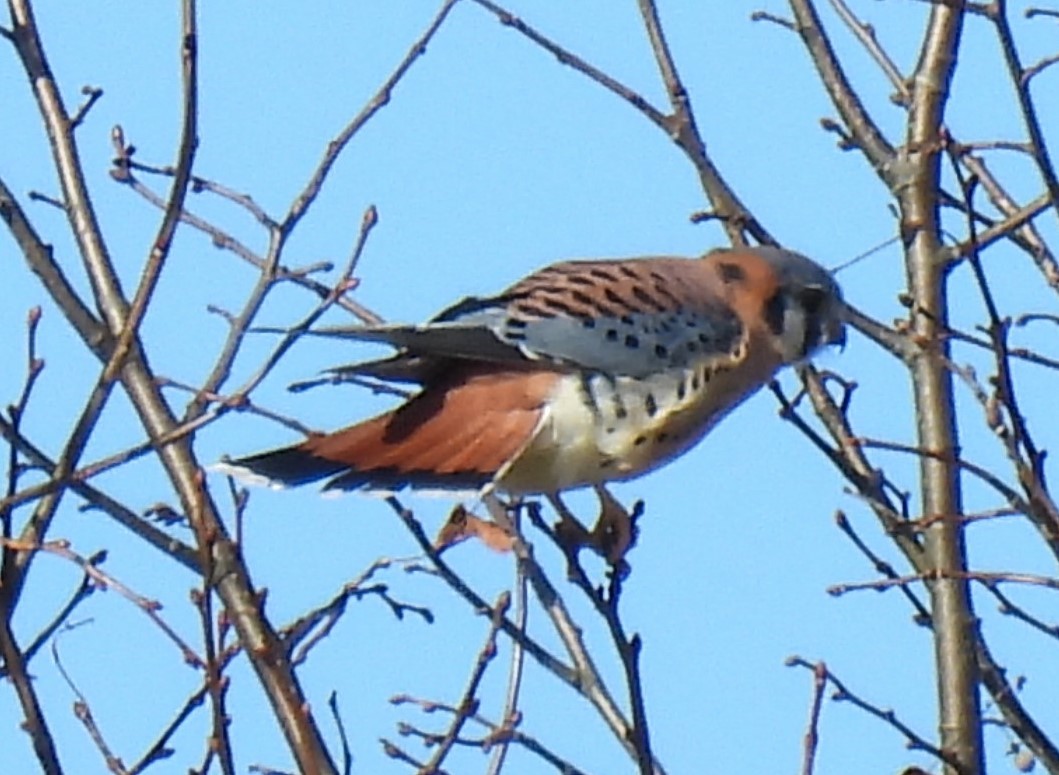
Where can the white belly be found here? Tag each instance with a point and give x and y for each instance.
(599, 429)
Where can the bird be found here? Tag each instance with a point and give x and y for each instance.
(584, 372)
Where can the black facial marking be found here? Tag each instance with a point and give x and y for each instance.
(731, 273)
(774, 311)
(812, 299)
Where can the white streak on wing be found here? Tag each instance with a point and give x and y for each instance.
(437, 493)
(245, 475)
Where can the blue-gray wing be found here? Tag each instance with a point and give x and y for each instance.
(629, 317)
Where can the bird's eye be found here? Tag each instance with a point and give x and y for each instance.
(812, 299)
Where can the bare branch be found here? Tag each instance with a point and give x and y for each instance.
(92, 94)
(83, 712)
(843, 694)
(996, 11)
(812, 734)
(382, 97)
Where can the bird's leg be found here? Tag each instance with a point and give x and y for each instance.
(614, 533)
(499, 511)
(570, 534)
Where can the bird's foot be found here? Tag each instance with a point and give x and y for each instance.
(613, 535)
(615, 531)
(570, 534)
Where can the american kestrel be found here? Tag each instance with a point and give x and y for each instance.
(582, 373)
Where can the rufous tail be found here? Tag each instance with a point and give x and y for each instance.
(456, 434)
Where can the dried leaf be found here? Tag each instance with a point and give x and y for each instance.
(462, 525)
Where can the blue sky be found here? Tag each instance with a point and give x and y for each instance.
(492, 159)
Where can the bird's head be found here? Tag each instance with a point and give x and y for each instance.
(806, 310)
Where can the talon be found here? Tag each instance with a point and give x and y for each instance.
(571, 535)
(615, 531)
(613, 535)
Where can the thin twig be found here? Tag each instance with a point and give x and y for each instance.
(382, 97)
(812, 730)
(468, 704)
(83, 711)
(843, 694)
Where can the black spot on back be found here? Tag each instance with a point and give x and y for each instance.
(647, 300)
(582, 298)
(600, 273)
(558, 304)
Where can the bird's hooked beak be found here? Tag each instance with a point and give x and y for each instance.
(834, 330)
